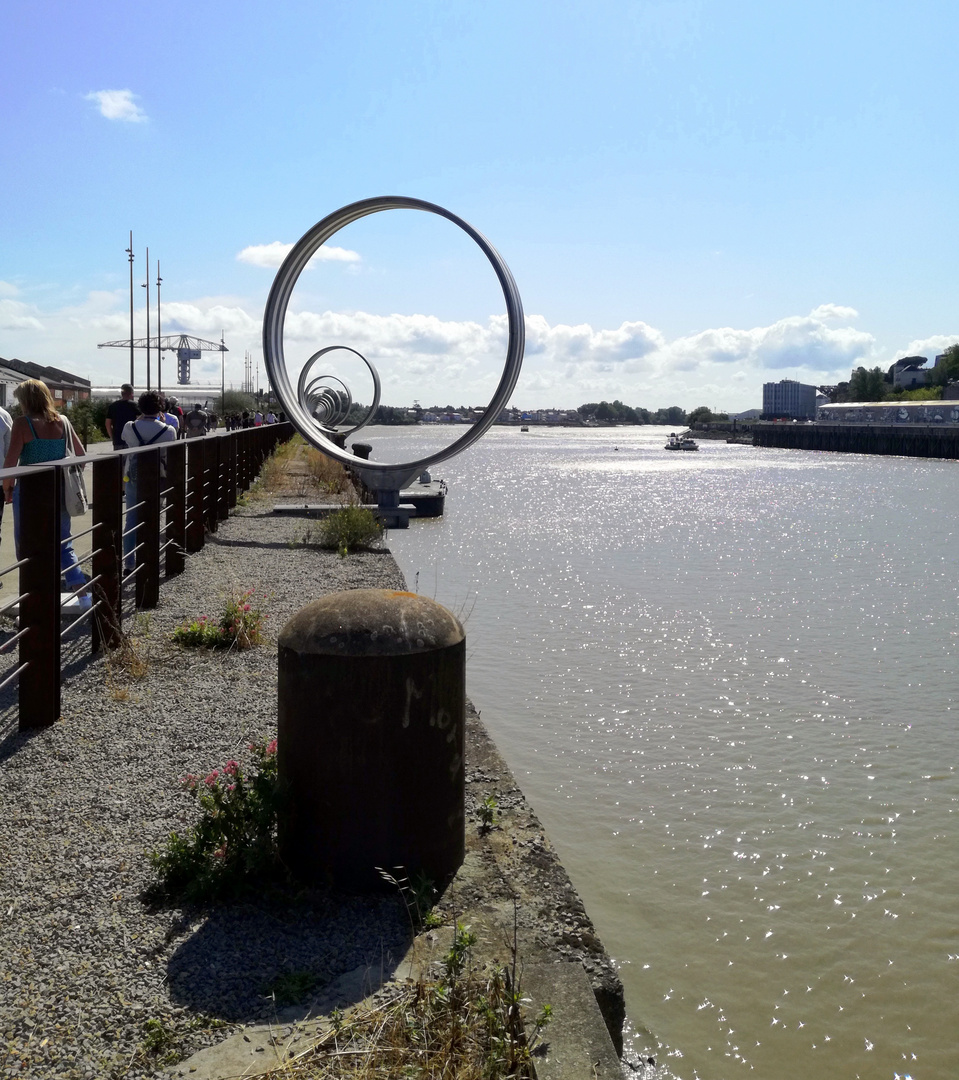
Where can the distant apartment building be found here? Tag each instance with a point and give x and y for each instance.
(789, 398)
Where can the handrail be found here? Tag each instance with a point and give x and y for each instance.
(170, 519)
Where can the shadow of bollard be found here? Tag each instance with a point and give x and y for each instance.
(372, 691)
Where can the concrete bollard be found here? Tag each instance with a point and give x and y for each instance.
(371, 721)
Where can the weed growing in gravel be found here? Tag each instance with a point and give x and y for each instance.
(291, 987)
(487, 813)
(238, 626)
(419, 895)
(234, 842)
(354, 528)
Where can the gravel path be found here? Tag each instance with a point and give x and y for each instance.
(94, 982)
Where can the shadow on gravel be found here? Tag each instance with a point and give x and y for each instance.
(246, 961)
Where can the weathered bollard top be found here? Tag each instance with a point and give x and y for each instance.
(371, 622)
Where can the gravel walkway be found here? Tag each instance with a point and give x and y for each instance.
(93, 981)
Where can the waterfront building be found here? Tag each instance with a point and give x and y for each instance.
(64, 386)
(789, 398)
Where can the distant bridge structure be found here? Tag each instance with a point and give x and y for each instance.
(187, 348)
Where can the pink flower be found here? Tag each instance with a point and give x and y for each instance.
(271, 748)
(231, 768)
(211, 780)
(220, 852)
(188, 782)
(246, 607)
(231, 788)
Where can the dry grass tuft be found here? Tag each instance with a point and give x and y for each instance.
(328, 475)
(466, 1027)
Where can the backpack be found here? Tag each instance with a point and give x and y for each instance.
(134, 458)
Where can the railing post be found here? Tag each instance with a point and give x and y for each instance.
(222, 478)
(107, 550)
(232, 470)
(39, 652)
(194, 521)
(210, 466)
(148, 492)
(176, 511)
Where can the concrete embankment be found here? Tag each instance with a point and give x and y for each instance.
(99, 982)
(899, 440)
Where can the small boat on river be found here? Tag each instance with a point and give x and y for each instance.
(681, 442)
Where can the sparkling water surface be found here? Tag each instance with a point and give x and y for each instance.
(727, 681)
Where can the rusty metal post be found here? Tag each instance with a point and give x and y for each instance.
(107, 550)
(40, 608)
(176, 513)
(222, 479)
(231, 490)
(194, 521)
(148, 535)
(210, 481)
(372, 692)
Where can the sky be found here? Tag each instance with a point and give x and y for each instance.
(694, 198)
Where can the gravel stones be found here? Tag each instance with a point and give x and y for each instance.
(94, 982)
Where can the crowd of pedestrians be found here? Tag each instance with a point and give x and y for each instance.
(41, 434)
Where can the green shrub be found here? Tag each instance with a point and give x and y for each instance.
(354, 528)
(238, 626)
(234, 842)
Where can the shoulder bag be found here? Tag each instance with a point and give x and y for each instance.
(74, 488)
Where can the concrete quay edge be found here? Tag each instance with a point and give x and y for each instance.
(563, 960)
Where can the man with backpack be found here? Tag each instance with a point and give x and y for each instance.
(148, 429)
(195, 422)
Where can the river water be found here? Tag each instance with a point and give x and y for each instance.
(727, 681)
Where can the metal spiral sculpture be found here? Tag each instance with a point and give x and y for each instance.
(328, 405)
(317, 406)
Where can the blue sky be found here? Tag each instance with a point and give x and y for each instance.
(694, 197)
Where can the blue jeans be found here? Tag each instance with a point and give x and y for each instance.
(131, 539)
(69, 568)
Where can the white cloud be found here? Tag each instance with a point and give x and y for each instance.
(423, 357)
(929, 347)
(17, 316)
(830, 312)
(272, 255)
(8, 289)
(118, 105)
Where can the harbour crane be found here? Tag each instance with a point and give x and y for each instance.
(185, 346)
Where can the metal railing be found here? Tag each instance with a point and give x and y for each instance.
(178, 503)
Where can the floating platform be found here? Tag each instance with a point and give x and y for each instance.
(425, 499)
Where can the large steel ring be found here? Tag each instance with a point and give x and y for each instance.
(303, 390)
(378, 475)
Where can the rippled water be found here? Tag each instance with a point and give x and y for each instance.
(728, 683)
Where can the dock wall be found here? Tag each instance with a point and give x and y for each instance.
(901, 440)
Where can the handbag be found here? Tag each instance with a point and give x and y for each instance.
(75, 499)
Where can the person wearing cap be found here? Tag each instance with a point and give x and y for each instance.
(119, 414)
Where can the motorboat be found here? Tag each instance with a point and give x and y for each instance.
(681, 442)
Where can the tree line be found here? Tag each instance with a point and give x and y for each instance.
(616, 412)
(874, 384)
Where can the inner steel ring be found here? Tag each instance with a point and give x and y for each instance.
(301, 391)
(376, 475)
(336, 404)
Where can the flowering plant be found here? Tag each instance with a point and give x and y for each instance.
(238, 626)
(235, 838)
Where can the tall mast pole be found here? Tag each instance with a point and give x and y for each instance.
(159, 350)
(146, 285)
(222, 379)
(130, 253)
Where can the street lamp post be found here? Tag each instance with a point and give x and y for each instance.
(130, 253)
(146, 285)
(159, 350)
